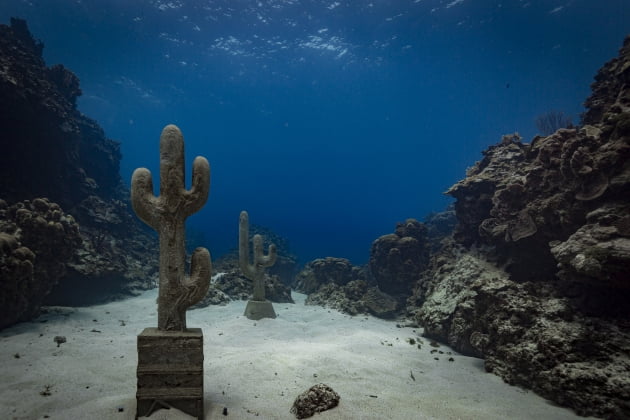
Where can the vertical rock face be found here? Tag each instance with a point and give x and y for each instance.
(537, 278)
(397, 259)
(48, 145)
(49, 149)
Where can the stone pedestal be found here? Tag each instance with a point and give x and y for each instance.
(259, 309)
(170, 371)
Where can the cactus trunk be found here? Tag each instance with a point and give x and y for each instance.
(167, 214)
(172, 273)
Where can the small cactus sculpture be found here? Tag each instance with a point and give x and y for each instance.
(167, 214)
(258, 307)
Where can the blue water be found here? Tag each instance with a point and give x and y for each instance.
(329, 121)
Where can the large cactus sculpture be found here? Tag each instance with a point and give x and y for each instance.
(167, 214)
(258, 307)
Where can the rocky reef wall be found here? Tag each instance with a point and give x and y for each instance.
(53, 154)
(536, 279)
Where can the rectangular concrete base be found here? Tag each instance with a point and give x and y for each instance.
(259, 309)
(170, 371)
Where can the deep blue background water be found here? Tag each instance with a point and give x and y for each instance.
(329, 121)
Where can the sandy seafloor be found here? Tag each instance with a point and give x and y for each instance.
(254, 368)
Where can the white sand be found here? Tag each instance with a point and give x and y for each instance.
(255, 369)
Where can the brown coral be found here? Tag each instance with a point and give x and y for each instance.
(37, 239)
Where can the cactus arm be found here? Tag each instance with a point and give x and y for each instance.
(144, 203)
(270, 259)
(196, 197)
(260, 259)
(196, 286)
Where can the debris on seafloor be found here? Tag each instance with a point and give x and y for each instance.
(59, 339)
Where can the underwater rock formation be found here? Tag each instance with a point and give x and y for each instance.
(355, 298)
(49, 149)
(440, 226)
(336, 283)
(397, 259)
(316, 399)
(324, 271)
(63, 155)
(537, 278)
(116, 257)
(37, 239)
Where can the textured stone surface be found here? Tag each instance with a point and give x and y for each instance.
(355, 298)
(537, 279)
(440, 226)
(170, 371)
(396, 260)
(520, 197)
(37, 239)
(323, 271)
(335, 283)
(599, 251)
(167, 214)
(316, 399)
(49, 149)
(529, 333)
(47, 131)
(116, 258)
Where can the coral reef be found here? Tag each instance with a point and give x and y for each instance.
(47, 131)
(528, 333)
(397, 259)
(116, 257)
(52, 150)
(336, 283)
(323, 271)
(37, 239)
(537, 278)
(440, 226)
(355, 298)
(166, 214)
